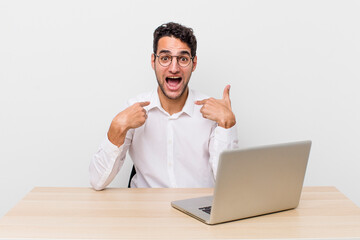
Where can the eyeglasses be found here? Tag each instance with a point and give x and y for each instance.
(165, 59)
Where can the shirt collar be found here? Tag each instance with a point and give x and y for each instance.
(188, 107)
(189, 104)
(154, 101)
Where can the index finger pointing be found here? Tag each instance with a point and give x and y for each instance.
(144, 104)
(201, 102)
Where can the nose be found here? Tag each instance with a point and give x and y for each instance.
(174, 66)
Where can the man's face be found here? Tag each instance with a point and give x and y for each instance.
(173, 79)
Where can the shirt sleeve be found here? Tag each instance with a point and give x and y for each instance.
(221, 139)
(107, 162)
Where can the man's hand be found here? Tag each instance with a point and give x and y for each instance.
(218, 110)
(132, 117)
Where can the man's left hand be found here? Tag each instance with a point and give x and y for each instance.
(218, 110)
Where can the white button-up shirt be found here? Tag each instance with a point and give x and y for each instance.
(181, 150)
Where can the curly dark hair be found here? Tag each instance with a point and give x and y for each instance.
(176, 30)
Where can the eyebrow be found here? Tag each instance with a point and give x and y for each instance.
(164, 51)
(185, 52)
(181, 53)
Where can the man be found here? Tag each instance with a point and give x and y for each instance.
(174, 135)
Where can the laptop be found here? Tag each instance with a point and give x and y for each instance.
(252, 182)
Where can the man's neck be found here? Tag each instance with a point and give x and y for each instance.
(172, 106)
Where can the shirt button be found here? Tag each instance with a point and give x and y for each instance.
(170, 142)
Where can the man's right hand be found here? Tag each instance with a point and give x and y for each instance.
(132, 117)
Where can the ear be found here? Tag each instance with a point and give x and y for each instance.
(153, 61)
(194, 63)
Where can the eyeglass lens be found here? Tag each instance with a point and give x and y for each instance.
(166, 59)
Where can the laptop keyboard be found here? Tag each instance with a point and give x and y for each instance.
(206, 209)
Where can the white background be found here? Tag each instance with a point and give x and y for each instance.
(67, 66)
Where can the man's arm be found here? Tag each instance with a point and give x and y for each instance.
(221, 139)
(108, 160)
(132, 117)
(224, 136)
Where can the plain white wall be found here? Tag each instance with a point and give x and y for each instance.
(67, 66)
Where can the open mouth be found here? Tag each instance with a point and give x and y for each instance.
(173, 82)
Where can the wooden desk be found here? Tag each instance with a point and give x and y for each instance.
(74, 213)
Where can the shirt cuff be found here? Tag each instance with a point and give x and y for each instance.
(110, 148)
(226, 134)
